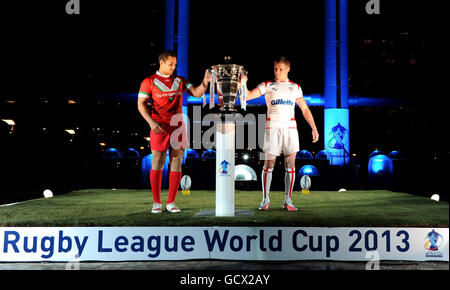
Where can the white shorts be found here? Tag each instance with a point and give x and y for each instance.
(281, 140)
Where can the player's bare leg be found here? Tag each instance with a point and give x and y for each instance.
(176, 159)
(158, 160)
(289, 179)
(266, 179)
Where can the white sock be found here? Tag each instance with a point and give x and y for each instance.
(266, 179)
(289, 179)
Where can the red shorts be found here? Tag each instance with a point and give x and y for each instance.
(174, 137)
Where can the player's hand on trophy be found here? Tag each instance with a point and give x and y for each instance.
(244, 76)
(207, 77)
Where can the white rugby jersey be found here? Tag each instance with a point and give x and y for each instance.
(280, 99)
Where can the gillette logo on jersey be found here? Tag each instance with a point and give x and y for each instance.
(165, 95)
(280, 99)
(282, 102)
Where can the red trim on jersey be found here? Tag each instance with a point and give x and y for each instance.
(295, 84)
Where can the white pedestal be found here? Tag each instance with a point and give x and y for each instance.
(225, 150)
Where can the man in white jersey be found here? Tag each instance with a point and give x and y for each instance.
(281, 135)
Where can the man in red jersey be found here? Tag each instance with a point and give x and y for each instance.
(164, 92)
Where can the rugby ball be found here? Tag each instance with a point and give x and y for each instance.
(305, 182)
(185, 182)
(435, 197)
(48, 193)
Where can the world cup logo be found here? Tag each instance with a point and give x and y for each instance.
(337, 141)
(433, 241)
(224, 167)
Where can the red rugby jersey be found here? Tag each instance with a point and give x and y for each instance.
(165, 94)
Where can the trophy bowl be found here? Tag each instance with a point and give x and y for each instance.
(227, 78)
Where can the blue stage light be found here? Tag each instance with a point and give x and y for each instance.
(310, 170)
(191, 154)
(379, 164)
(111, 153)
(322, 155)
(304, 154)
(381, 171)
(395, 155)
(375, 153)
(209, 154)
(131, 153)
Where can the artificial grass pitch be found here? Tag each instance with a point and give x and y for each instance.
(124, 207)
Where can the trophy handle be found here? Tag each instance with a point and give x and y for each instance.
(212, 86)
(243, 91)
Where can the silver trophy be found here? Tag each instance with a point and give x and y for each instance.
(229, 81)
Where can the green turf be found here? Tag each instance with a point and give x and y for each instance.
(123, 207)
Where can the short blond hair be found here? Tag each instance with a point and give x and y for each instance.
(282, 59)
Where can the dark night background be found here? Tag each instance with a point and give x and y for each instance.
(82, 72)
